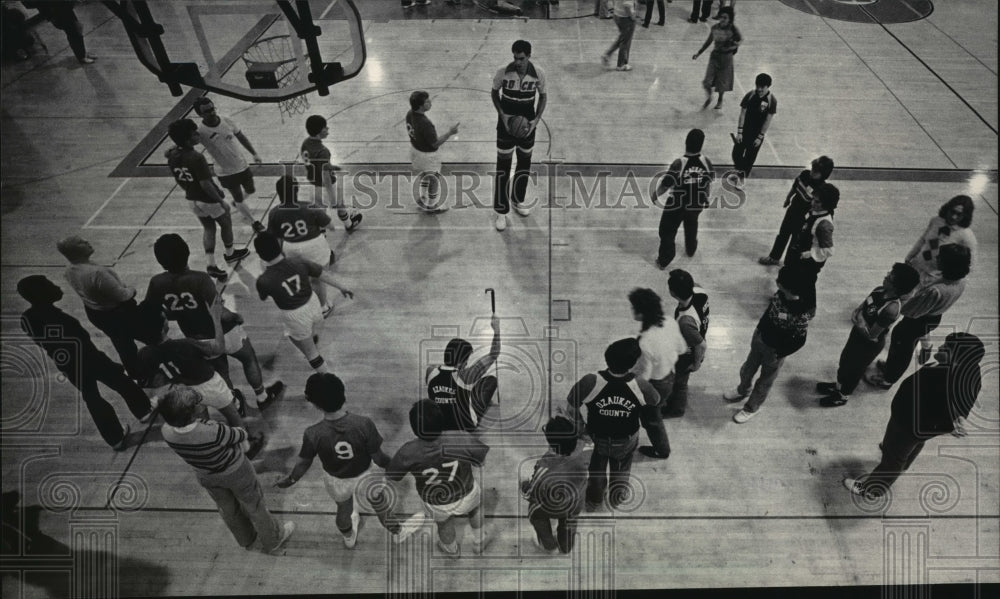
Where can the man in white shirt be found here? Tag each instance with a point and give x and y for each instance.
(219, 135)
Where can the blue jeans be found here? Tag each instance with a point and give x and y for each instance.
(761, 357)
(616, 454)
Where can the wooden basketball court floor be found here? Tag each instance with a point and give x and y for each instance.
(908, 112)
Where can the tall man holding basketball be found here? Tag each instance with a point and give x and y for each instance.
(514, 89)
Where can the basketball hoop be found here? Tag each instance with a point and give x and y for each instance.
(272, 64)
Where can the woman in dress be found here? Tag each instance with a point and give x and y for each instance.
(951, 225)
(719, 74)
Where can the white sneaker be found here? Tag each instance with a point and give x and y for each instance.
(742, 416)
(286, 531)
(625, 67)
(522, 209)
(733, 395)
(501, 222)
(853, 486)
(351, 540)
(409, 526)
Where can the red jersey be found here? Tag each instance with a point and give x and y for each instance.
(179, 361)
(186, 298)
(189, 169)
(344, 446)
(442, 467)
(288, 282)
(297, 224)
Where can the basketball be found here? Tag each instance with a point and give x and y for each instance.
(518, 126)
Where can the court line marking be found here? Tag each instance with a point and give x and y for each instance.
(404, 228)
(105, 204)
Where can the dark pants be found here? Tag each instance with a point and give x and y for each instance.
(62, 17)
(704, 6)
(858, 353)
(100, 368)
(118, 325)
(745, 153)
(899, 448)
(626, 29)
(904, 338)
(649, 11)
(565, 529)
(615, 454)
(656, 430)
(522, 174)
(676, 401)
(670, 221)
(795, 217)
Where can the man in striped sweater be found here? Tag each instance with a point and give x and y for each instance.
(216, 452)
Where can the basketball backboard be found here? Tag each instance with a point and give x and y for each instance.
(253, 50)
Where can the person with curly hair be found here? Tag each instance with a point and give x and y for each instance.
(951, 225)
(719, 74)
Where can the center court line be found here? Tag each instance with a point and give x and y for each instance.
(105, 204)
(402, 228)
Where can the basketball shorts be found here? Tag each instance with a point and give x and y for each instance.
(463, 506)
(208, 209)
(300, 322)
(315, 250)
(424, 162)
(242, 179)
(342, 489)
(507, 142)
(233, 340)
(214, 392)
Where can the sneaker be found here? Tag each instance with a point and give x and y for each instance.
(703, 19)
(718, 105)
(237, 255)
(501, 222)
(352, 223)
(88, 59)
(877, 380)
(768, 261)
(834, 400)
(534, 539)
(217, 273)
(453, 553)
(256, 445)
(407, 5)
(274, 393)
(408, 527)
(480, 539)
(522, 209)
(661, 264)
(241, 402)
(742, 416)
(707, 102)
(692, 20)
(327, 310)
(286, 531)
(123, 444)
(852, 485)
(826, 387)
(649, 452)
(258, 227)
(351, 539)
(733, 395)
(606, 61)
(625, 67)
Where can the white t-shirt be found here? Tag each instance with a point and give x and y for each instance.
(660, 348)
(222, 145)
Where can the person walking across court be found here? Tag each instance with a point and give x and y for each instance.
(424, 145)
(515, 89)
(625, 18)
(756, 110)
(719, 73)
(108, 302)
(687, 185)
(321, 169)
(65, 340)
(215, 452)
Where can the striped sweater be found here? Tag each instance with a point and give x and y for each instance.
(210, 446)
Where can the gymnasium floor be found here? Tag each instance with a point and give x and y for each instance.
(908, 111)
